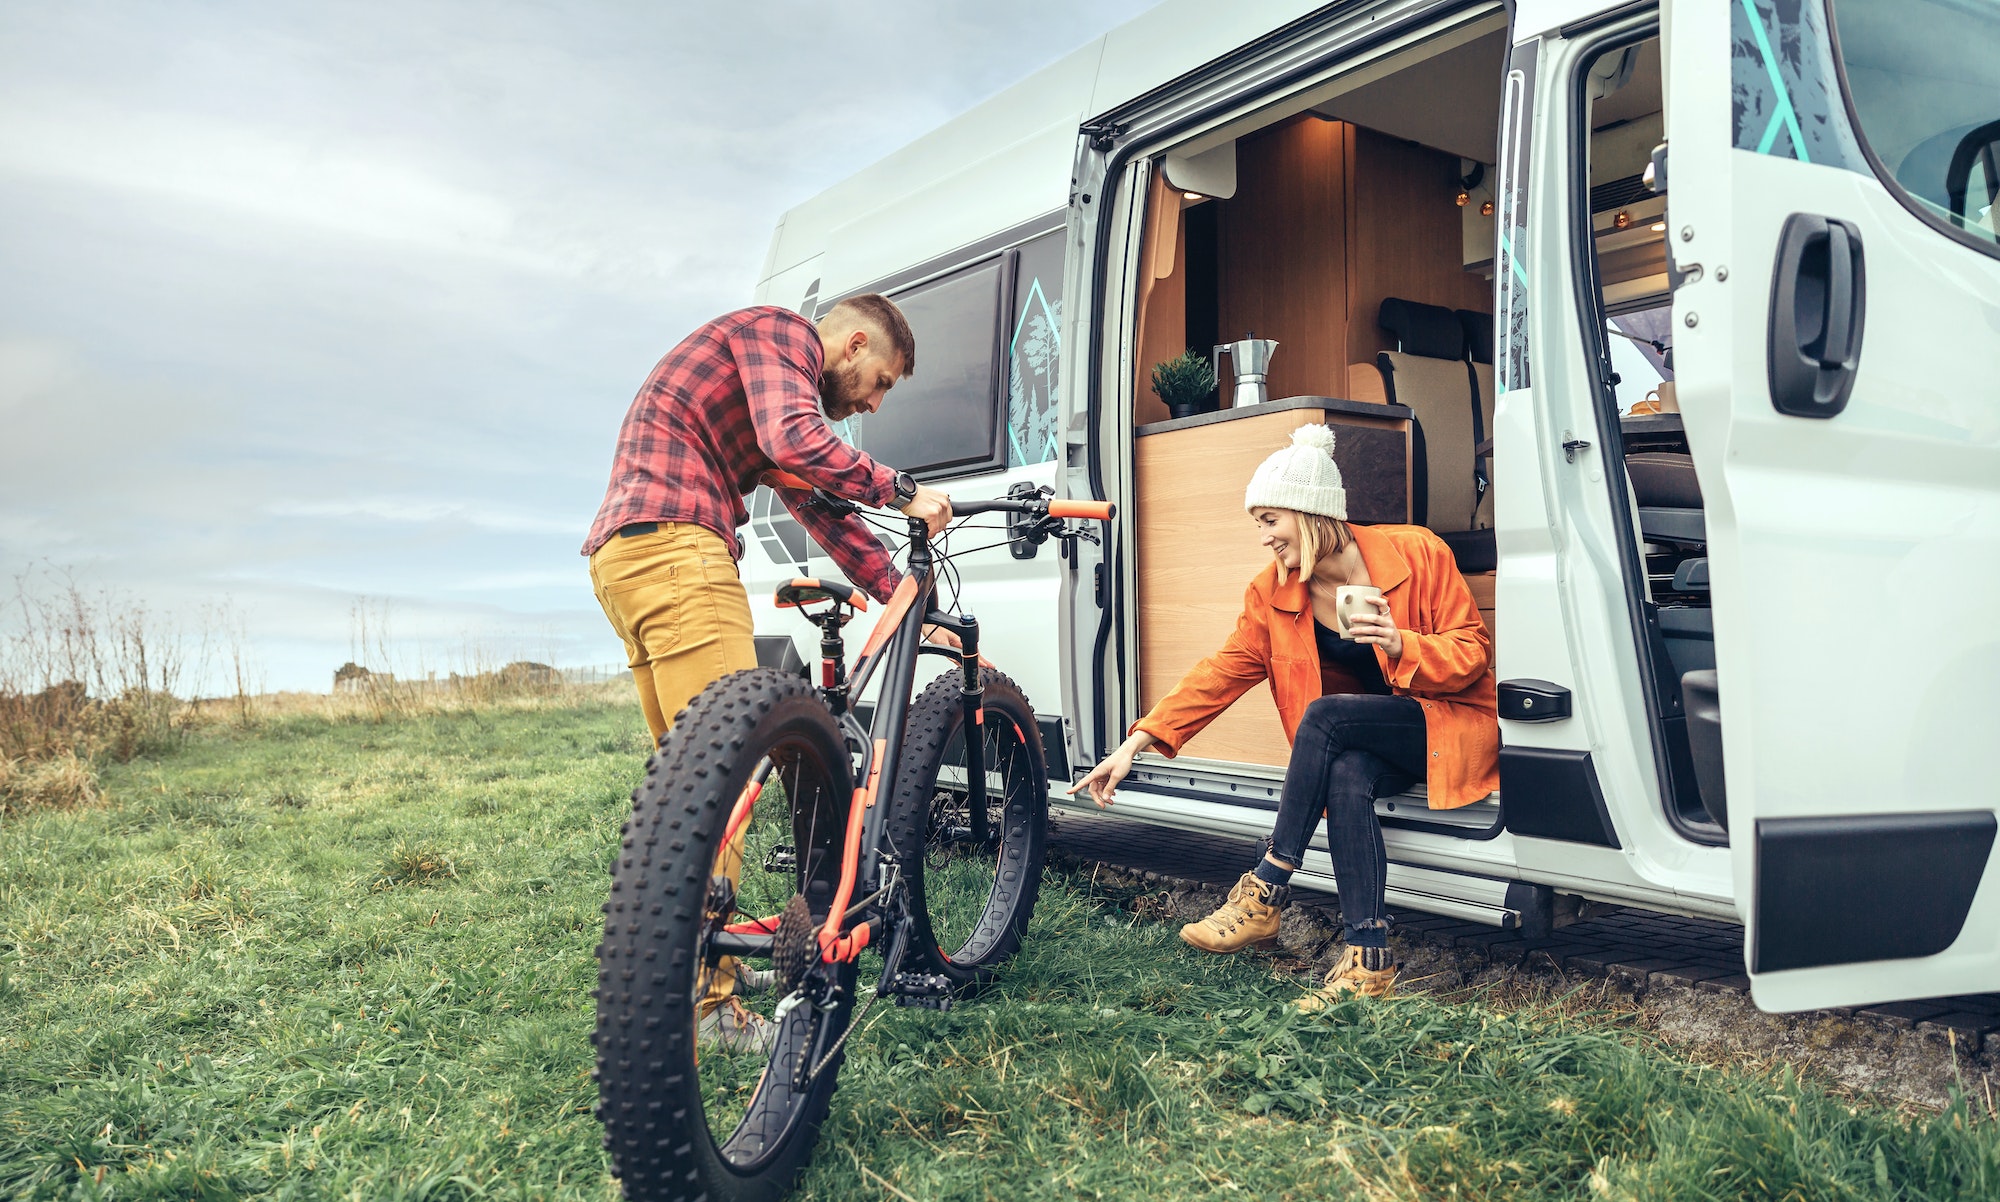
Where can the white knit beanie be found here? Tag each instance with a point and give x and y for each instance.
(1303, 476)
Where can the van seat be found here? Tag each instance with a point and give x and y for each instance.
(1663, 479)
(1668, 496)
(1430, 373)
(1478, 329)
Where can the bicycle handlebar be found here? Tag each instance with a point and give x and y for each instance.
(1103, 511)
(1055, 507)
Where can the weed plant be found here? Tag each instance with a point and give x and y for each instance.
(337, 959)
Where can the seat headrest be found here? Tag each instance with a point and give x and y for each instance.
(1478, 334)
(1429, 330)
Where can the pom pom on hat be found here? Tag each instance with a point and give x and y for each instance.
(1302, 476)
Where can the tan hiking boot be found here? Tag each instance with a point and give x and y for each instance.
(1249, 916)
(1348, 979)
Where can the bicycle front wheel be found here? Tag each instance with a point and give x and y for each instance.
(972, 856)
(715, 1071)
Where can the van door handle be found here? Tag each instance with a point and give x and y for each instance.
(1818, 299)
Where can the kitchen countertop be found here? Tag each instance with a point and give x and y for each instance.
(1332, 404)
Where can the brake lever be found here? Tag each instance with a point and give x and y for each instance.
(1079, 530)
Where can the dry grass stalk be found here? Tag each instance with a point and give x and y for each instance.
(59, 782)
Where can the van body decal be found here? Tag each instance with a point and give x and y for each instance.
(1034, 354)
(1784, 96)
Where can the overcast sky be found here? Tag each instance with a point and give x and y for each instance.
(308, 303)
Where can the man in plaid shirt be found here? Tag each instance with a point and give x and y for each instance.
(738, 398)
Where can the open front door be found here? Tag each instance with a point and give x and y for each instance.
(1837, 322)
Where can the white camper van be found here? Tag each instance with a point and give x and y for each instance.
(1679, 321)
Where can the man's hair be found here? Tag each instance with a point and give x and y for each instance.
(874, 309)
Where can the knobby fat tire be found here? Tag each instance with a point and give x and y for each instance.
(649, 1093)
(935, 717)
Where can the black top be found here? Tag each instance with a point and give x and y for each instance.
(1356, 659)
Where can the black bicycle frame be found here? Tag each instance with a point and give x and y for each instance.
(882, 757)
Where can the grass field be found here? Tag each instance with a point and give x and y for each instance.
(327, 959)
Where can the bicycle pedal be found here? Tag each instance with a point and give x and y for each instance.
(782, 858)
(932, 991)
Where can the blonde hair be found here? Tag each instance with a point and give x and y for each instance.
(1318, 535)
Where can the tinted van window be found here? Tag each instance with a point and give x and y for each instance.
(945, 418)
(1923, 77)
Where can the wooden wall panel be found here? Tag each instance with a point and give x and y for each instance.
(1165, 327)
(1404, 236)
(1163, 315)
(1283, 269)
(1198, 551)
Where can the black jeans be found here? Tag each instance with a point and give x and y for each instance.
(1351, 748)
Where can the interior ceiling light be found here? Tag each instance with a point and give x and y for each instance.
(1198, 196)
(1658, 227)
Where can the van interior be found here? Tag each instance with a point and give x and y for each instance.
(1354, 225)
(1668, 576)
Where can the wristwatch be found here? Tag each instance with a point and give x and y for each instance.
(906, 489)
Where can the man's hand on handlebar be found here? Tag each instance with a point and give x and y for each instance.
(930, 506)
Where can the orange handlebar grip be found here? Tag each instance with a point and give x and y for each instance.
(1103, 511)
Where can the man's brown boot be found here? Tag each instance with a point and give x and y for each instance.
(1349, 978)
(1249, 916)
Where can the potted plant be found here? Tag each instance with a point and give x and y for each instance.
(1186, 383)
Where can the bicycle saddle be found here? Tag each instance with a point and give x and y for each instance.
(802, 590)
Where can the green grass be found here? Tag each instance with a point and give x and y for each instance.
(330, 960)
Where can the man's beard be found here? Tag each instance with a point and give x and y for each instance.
(840, 392)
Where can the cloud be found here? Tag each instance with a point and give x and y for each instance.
(310, 303)
(420, 510)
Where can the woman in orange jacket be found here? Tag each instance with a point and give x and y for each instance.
(1408, 695)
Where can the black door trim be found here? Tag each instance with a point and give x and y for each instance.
(1871, 887)
(1553, 793)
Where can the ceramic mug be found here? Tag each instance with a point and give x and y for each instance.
(1351, 599)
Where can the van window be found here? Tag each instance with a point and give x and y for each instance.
(944, 419)
(1923, 78)
(1034, 350)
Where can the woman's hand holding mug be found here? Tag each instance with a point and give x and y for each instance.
(1377, 628)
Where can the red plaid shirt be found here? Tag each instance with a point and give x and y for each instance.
(737, 398)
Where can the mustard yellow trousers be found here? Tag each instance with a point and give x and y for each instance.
(676, 600)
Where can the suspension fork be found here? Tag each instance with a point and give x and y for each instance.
(972, 700)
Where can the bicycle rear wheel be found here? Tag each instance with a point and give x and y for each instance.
(973, 871)
(734, 1118)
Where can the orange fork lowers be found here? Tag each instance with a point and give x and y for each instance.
(834, 946)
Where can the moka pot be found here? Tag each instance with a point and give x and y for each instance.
(1251, 359)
